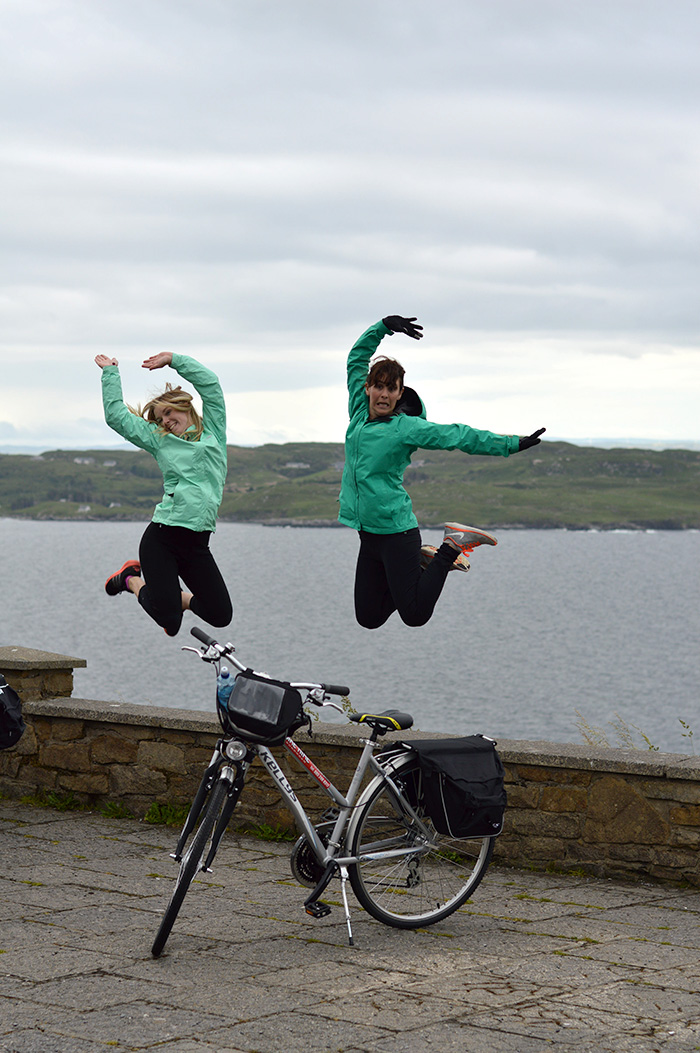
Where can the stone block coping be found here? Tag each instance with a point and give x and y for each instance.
(513, 751)
(28, 658)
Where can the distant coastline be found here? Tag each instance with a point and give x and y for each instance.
(556, 486)
(601, 443)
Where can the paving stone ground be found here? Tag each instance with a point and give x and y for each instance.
(535, 962)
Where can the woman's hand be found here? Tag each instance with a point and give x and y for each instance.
(527, 441)
(397, 324)
(103, 360)
(163, 358)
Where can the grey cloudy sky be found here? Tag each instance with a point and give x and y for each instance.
(253, 182)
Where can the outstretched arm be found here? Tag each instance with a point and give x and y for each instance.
(461, 437)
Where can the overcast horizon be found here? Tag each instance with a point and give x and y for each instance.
(254, 182)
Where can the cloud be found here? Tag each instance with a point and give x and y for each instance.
(254, 182)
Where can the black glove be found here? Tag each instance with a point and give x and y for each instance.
(397, 324)
(530, 440)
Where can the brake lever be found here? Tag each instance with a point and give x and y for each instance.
(202, 654)
(319, 697)
(316, 695)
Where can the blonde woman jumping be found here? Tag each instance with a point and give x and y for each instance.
(191, 453)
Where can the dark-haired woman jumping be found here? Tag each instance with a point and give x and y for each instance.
(387, 425)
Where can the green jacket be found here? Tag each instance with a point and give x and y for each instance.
(193, 472)
(377, 453)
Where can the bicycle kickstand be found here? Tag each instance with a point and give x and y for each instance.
(316, 909)
(343, 882)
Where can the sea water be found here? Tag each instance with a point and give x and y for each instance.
(550, 632)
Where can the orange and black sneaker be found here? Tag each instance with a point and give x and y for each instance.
(116, 583)
(467, 538)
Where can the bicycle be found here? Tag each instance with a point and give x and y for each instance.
(379, 838)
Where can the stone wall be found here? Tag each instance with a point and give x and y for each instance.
(38, 674)
(622, 813)
(609, 812)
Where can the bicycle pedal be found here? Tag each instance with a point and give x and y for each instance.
(317, 910)
(176, 857)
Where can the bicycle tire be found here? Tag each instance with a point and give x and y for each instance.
(409, 892)
(190, 863)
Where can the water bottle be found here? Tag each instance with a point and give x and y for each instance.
(224, 686)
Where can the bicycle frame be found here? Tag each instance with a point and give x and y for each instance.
(329, 853)
(325, 853)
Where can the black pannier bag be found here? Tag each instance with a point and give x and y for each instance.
(261, 709)
(462, 785)
(11, 724)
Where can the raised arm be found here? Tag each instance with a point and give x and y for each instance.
(363, 349)
(206, 383)
(118, 416)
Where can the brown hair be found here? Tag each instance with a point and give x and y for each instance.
(179, 400)
(386, 371)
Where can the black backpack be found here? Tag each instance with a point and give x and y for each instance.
(462, 785)
(11, 724)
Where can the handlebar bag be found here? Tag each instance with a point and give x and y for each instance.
(12, 725)
(261, 709)
(462, 785)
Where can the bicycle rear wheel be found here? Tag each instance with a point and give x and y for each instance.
(191, 862)
(418, 889)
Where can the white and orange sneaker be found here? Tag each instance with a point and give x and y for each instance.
(427, 553)
(466, 538)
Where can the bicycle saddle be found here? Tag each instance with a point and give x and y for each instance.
(390, 719)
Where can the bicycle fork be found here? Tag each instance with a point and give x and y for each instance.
(235, 778)
(234, 793)
(197, 804)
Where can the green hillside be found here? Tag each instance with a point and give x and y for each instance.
(554, 485)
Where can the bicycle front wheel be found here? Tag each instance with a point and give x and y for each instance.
(415, 889)
(191, 862)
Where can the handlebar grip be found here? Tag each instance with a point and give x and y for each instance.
(334, 689)
(200, 635)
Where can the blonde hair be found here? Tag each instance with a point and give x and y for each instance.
(179, 400)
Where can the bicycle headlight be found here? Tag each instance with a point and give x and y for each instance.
(235, 750)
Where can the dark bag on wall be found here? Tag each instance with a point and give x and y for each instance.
(11, 724)
(462, 787)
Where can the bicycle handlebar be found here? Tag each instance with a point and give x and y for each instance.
(200, 635)
(226, 650)
(334, 689)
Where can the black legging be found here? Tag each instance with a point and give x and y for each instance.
(389, 578)
(168, 553)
